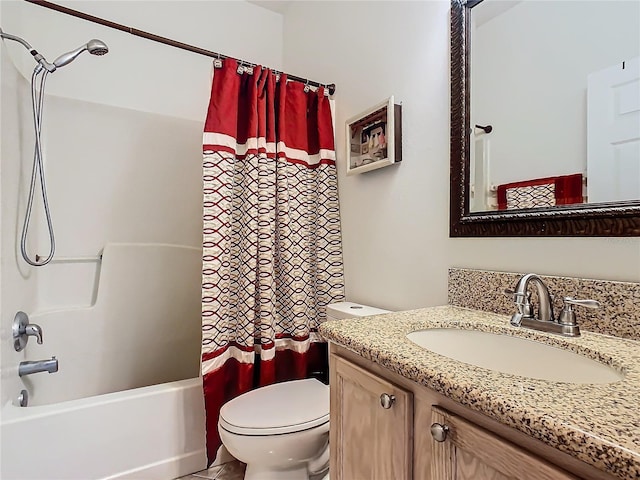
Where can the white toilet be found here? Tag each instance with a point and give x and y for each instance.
(281, 431)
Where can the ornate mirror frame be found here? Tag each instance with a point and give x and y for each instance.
(596, 220)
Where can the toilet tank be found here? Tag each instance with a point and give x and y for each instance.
(337, 311)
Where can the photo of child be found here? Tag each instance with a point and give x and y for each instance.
(369, 146)
(373, 143)
(377, 142)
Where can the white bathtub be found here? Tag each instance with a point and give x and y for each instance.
(127, 400)
(154, 432)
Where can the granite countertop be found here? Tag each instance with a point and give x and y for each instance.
(599, 424)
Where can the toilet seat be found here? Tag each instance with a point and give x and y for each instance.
(272, 431)
(285, 407)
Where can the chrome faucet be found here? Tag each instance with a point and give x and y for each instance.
(28, 368)
(521, 298)
(525, 315)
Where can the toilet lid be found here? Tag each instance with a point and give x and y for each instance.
(280, 408)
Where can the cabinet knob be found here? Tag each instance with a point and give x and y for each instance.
(439, 432)
(387, 400)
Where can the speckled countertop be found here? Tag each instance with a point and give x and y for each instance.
(599, 424)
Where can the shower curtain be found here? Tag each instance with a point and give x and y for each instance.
(272, 253)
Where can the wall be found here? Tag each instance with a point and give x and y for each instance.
(543, 70)
(395, 220)
(122, 137)
(18, 283)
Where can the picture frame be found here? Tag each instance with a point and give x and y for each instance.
(374, 138)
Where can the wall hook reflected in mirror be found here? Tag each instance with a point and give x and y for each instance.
(487, 129)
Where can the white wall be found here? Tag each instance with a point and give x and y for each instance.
(533, 88)
(395, 220)
(122, 136)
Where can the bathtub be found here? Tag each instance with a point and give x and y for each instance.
(154, 432)
(127, 399)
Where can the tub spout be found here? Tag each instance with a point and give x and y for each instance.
(28, 368)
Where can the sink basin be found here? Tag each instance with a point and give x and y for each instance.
(514, 355)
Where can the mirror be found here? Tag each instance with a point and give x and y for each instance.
(530, 84)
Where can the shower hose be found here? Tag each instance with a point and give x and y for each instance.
(37, 102)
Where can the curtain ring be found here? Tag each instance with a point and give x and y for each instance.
(217, 63)
(306, 87)
(240, 69)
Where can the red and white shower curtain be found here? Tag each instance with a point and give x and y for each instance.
(272, 254)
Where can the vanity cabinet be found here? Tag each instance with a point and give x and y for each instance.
(381, 429)
(371, 426)
(464, 451)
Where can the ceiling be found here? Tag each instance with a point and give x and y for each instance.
(490, 8)
(278, 6)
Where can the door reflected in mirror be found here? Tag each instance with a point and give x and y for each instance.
(559, 83)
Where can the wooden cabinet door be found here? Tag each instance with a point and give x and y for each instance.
(469, 452)
(369, 440)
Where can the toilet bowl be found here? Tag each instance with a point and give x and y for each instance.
(282, 431)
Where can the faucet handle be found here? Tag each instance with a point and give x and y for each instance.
(509, 292)
(22, 330)
(582, 303)
(524, 304)
(568, 316)
(33, 330)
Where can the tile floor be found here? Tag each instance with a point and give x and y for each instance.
(231, 471)
(228, 471)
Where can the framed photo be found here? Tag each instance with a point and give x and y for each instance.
(374, 138)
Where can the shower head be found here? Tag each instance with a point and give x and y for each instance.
(97, 47)
(94, 47)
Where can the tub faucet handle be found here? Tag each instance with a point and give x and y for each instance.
(22, 330)
(34, 330)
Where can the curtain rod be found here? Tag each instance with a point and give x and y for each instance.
(167, 41)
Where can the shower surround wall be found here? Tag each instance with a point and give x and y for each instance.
(18, 287)
(140, 185)
(113, 176)
(122, 138)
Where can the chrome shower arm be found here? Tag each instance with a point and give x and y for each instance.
(8, 36)
(49, 67)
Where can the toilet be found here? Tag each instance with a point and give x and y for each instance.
(281, 431)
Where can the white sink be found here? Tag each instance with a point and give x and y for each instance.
(514, 355)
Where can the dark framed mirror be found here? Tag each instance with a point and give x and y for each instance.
(615, 217)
